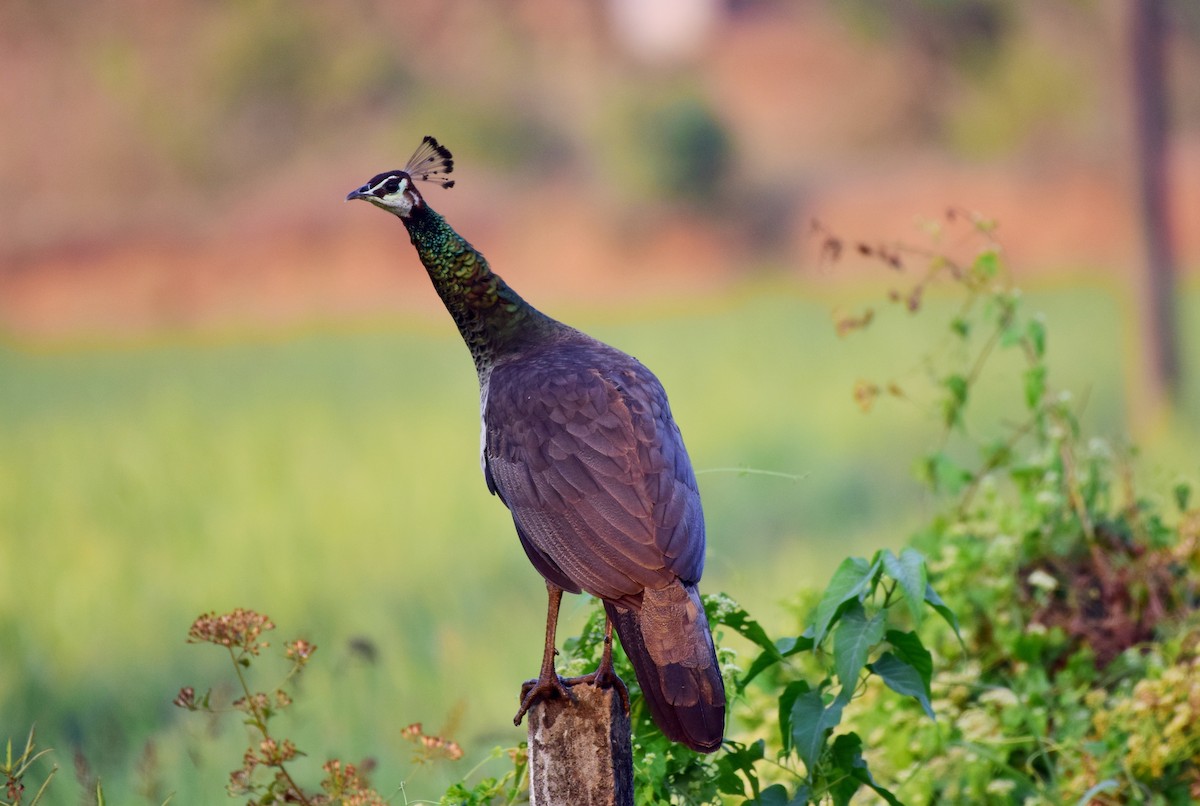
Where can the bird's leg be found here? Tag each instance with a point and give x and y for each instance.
(548, 683)
(604, 676)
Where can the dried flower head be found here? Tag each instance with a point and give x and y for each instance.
(431, 746)
(299, 651)
(256, 704)
(238, 630)
(274, 753)
(865, 393)
(186, 698)
(346, 785)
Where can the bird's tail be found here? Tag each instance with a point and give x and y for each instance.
(671, 648)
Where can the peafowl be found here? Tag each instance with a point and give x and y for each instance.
(579, 443)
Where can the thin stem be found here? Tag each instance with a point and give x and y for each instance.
(993, 463)
(260, 723)
(753, 471)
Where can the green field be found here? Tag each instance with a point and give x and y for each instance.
(331, 479)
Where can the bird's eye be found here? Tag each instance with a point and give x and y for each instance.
(392, 185)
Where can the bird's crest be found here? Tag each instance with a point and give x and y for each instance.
(431, 162)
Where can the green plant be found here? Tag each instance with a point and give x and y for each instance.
(1072, 680)
(14, 771)
(265, 773)
(506, 788)
(861, 629)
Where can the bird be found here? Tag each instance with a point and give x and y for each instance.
(578, 442)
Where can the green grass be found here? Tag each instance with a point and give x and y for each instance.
(331, 480)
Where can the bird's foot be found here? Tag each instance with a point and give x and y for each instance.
(543, 688)
(604, 677)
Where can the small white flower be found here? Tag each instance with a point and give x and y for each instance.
(1002, 697)
(1042, 580)
(1001, 786)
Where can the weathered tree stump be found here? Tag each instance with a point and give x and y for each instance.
(580, 752)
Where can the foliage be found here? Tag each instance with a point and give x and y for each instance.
(265, 773)
(1074, 677)
(857, 634)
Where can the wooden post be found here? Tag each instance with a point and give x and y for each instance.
(580, 752)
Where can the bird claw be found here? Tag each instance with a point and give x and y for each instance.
(539, 689)
(604, 678)
(552, 687)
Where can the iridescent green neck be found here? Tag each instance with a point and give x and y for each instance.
(491, 317)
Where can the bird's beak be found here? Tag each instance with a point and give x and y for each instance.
(355, 194)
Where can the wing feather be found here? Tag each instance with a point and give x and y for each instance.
(580, 445)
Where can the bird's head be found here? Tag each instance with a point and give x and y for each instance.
(396, 192)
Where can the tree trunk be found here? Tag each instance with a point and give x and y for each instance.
(1159, 354)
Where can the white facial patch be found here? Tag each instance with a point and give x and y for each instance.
(401, 189)
(399, 201)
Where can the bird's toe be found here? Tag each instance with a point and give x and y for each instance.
(541, 688)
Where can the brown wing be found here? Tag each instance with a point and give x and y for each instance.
(581, 447)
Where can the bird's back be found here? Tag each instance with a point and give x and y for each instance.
(580, 444)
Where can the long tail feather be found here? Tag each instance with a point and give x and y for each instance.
(670, 645)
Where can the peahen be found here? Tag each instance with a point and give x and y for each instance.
(579, 443)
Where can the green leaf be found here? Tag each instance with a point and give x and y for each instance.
(775, 795)
(1036, 331)
(960, 327)
(784, 647)
(811, 724)
(845, 755)
(995, 453)
(882, 792)
(739, 758)
(792, 692)
(729, 783)
(953, 406)
(851, 581)
(935, 601)
(1183, 493)
(987, 264)
(909, 570)
(958, 387)
(902, 678)
(908, 648)
(746, 626)
(1035, 386)
(856, 635)
(850, 771)
(942, 474)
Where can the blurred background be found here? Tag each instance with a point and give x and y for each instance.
(220, 386)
